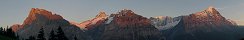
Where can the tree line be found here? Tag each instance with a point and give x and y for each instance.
(54, 35)
(7, 34)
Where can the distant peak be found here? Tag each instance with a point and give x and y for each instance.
(211, 9)
(127, 17)
(161, 17)
(41, 12)
(126, 12)
(35, 11)
(101, 14)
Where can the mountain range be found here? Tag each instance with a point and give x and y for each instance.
(127, 25)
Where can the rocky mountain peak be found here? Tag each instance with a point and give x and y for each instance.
(37, 13)
(126, 12)
(161, 17)
(89, 24)
(210, 17)
(210, 9)
(101, 14)
(127, 17)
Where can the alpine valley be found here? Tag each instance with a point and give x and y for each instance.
(125, 24)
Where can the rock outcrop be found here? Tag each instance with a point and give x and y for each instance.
(99, 19)
(16, 27)
(36, 11)
(208, 18)
(204, 25)
(33, 15)
(232, 22)
(40, 18)
(164, 22)
(126, 25)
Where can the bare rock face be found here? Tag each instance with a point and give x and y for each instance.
(89, 24)
(129, 18)
(232, 22)
(16, 27)
(164, 22)
(101, 14)
(204, 25)
(208, 18)
(36, 11)
(40, 18)
(33, 17)
(126, 25)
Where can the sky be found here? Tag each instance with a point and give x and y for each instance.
(15, 11)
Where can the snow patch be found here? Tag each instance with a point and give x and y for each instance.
(163, 23)
(169, 25)
(109, 20)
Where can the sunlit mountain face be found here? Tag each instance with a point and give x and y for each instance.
(125, 24)
(121, 20)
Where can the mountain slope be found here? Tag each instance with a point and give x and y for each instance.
(93, 22)
(40, 18)
(164, 22)
(126, 25)
(209, 17)
(204, 25)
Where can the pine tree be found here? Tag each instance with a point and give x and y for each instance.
(75, 38)
(60, 34)
(17, 36)
(1, 30)
(41, 35)
(10, 32)
(52, 36)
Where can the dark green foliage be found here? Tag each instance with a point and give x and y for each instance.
(1, 30)
(52, 36)
(75, 38)
(60, 34)
(41, 35)
(7, 34)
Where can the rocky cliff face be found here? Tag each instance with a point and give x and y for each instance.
(35, 12)
(89, 24)
(204, 25)
(33, 16)
(232, 22)
(16, 27)
(40, 18)
(126, 25)
(164, 22)
(208, 18)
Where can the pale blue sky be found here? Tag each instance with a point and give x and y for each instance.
(15, 11)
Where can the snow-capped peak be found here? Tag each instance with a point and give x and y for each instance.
(101, 14)
(159, 17)
(210, 8)
(164, 22)
(100, 17)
